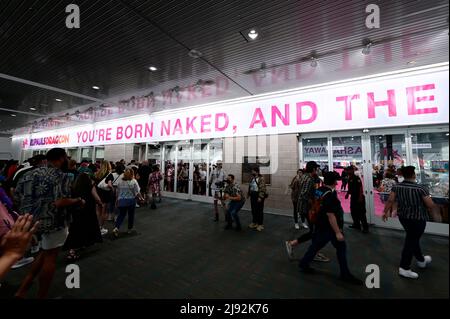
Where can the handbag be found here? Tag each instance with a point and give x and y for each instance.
(103, 185)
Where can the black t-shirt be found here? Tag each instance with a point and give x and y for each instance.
(144, 172)
(330, 204)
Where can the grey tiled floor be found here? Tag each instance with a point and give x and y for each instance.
(179, 252)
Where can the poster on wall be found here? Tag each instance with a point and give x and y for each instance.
(249, 162)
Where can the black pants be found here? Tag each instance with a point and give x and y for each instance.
(296, 213)
(358, 212)
(319, 240)
(307, 236)
(414, 230)
(257, 208)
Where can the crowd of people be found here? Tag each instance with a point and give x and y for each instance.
(51, 202)
(68, 205)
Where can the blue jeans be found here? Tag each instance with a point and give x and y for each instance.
(232, 213)
(123, 212)
(319, 239)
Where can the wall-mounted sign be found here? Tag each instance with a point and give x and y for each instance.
(390, 101)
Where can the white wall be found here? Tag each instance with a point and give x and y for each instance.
(6, 149)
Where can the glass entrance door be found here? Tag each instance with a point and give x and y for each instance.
(387, 155)
(378, 155)
(347, 151)
(187, 166)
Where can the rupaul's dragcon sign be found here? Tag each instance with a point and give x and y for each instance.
(420, 98)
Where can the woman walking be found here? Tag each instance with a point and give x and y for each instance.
(103, 181)
(84, 230)
(127, 190)
(295, 187)
(154, 185)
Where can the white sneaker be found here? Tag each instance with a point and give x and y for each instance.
(408, 273)
(35, 249)
(103, 231)
(23, 262)
(289, 250)
(425, 263)
(137, 206)
(297, 226)
(305, 226)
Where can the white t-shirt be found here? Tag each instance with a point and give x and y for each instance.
(217, 176)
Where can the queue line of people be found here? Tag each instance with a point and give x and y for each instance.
(71, 205)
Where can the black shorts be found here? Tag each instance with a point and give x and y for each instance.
(105, 196)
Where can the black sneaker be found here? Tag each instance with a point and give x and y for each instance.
(307, 270)
(354, 227)
(350, 279)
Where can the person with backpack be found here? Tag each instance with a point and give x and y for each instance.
(234, 195)
(258, 193)
(307, 189)
(329, 222)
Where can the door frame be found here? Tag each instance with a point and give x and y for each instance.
(189, 196)
(432, 228)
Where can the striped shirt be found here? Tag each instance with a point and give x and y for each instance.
(307, 188)
(410, 200)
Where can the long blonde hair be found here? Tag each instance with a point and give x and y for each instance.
(105, 168)
(128, 175)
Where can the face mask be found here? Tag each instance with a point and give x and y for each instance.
(400, 179)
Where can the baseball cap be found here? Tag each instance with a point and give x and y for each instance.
(311, 165)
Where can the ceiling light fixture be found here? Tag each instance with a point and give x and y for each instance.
(95, 87)
(366, 49)
(13, 115)
(253, 34)
(313, 62)
(58, 100)
(153, 68)
(195, 54)
(32, 108)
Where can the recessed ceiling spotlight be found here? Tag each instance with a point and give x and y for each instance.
(195, 54)
(58, 100)
(446, 134)
(32, 108)
(95, 87)
(13, 115)
(253, 34)
(153, 68)
(313, 62)
(366, 49)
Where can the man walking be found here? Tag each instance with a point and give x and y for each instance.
(234, 194)
(357, 201)
(413, 202)
(46, 195)
(307, 189)
(328, 228)
(257, 192)
(217, 180)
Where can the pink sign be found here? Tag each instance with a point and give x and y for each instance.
(420, 98)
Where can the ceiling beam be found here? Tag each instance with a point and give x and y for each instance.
(51, 88)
